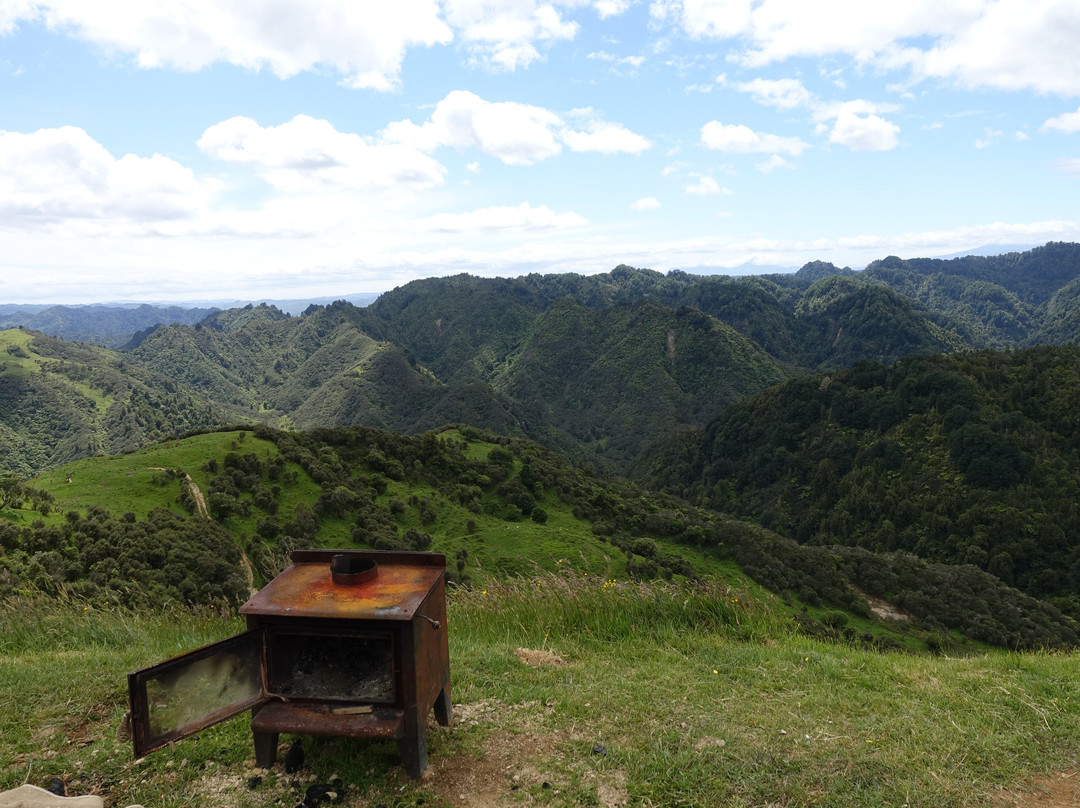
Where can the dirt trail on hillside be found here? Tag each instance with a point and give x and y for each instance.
(197, 496)
(201, 510)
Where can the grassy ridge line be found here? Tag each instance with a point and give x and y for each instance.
(698, 695)
(495, 547)
(448, 491)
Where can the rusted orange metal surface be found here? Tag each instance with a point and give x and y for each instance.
(306, 589)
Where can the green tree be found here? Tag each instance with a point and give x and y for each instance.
(12, 491)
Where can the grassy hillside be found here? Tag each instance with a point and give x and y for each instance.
(571, 691)
(142, 529)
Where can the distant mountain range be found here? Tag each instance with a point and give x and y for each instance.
(115, 324)
(603, 368)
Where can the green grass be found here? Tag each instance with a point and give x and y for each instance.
(123, 483)
(17, 358)
(699, 695)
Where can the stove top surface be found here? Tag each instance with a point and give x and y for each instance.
(306, 588)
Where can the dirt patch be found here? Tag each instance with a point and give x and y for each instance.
(196, 493)
(249, 573)
(538, 658)
(884, 610)
(508, 763)
(516, 768)
(611, 790)
(197, 496)
(1061, 790)
(702, 744)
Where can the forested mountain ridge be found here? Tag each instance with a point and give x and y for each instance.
(60, 401)
(821, 316)
(111, 326)
(595, 382)
(969, 458)
(601, 367)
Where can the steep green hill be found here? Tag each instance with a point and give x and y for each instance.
(169, 523)
(600, 384)
(970, 458)
(64, 400)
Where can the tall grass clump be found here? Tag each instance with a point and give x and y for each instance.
(34, 623)
(591, 610)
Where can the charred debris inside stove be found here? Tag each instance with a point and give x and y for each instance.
(345, 643)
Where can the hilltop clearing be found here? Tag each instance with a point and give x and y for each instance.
(666, 694)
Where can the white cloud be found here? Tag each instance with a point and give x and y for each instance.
(1067, 123)
(744, 140)
(610, 8)
(502, 34)
(516, 134)
(779, 93)
(64, 177)
(1069, 165)
(868, 133)
(604, 137)
(773, 163)
(990, 136)
(362, 41)
(11, 11)
(719, 19)
(646, 203)
(307, 153)
(782, 29)
(504, 218)
(855, 122)
(706, 186)
(860, 106)
(1007, 44)
(604, 56)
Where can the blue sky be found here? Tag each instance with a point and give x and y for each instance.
(212, 149)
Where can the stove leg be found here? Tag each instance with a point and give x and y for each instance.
(266, 744)
(444, 711)
(413, 753)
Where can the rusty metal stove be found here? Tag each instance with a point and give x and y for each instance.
(343, 642)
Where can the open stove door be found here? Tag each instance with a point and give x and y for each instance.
(193, 691)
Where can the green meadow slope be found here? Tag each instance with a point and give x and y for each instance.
(204, 518)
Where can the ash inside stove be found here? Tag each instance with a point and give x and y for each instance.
(337, 668)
